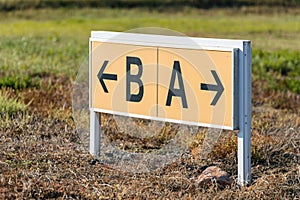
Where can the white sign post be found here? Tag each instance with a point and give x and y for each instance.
(195, 81)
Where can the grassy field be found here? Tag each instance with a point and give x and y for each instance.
(40, 155)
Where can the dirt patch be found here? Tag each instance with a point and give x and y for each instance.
(53, 94)
(277, 99)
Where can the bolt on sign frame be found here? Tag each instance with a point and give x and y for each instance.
(167, 84)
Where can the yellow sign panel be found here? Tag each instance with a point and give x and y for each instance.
(190, 86)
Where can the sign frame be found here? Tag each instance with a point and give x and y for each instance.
(242, 70)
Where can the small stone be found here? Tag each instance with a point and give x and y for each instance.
(93, 162)
(214, 173)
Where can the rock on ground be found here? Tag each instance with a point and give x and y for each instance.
(212, 174)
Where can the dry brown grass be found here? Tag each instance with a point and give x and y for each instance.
(40, 156)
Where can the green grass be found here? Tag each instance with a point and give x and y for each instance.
(29, 58)
(55, 42)
(269, 32)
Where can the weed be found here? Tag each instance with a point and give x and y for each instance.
(10, 106)
(281, 69)
(18, 82)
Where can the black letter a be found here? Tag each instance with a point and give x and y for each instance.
(176, 92)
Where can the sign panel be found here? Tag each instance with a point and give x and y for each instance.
(181, 85)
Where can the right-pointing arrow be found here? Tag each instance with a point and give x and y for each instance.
(218, 88)
(101, 76)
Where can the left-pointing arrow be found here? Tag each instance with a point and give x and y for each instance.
(101, 76)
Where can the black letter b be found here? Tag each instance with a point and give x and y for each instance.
(134, 78)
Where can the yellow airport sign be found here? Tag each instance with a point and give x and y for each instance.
(181, 85)
(196, 81)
